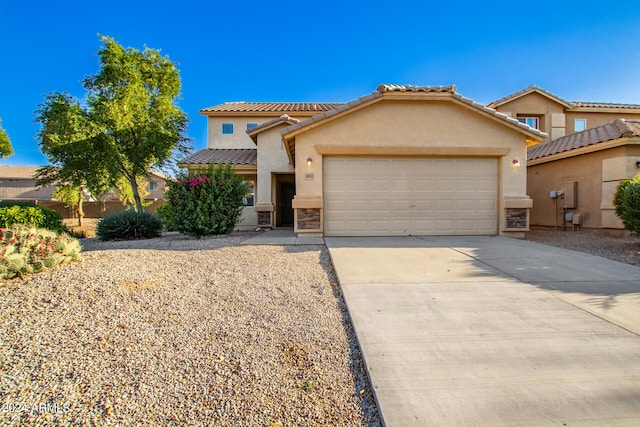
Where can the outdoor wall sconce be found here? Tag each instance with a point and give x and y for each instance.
(638, 164)
(515, 164)
(309, 161)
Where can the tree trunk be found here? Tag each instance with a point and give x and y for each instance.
(80, 210)
(136, 194)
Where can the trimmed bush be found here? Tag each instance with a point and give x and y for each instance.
(207, 203)
(26, 250)
(627, 203)
(8, 203)
(165, 213)
(129, 225)
(35, 216)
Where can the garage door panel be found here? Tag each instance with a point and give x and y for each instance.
(401, 196)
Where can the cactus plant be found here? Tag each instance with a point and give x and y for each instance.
(25, 250)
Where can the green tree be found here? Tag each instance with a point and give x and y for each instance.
(133, 99)
(66, 138)
(5, 143)
(125, 193)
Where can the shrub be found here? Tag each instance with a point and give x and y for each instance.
(207, 203)
(165, 213)
(35, 216)
(8, 203)
(627, 204)
(129, 225)
(26, 250)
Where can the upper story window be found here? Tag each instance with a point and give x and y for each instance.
(227, 128)
(251, 125)
(153, 185)
(579, 125)
(531, 121)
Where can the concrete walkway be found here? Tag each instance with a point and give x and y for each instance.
(493, 331)
(282, 236)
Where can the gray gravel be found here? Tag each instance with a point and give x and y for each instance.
(615, 245)
(178, 331)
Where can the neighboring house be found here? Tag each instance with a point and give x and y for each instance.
(558, 117)
(586, 167)
(17, 183)
(404, 160)
(232, 129)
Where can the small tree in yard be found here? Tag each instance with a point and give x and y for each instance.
(207, 203)
(5, 143)
(627, 204)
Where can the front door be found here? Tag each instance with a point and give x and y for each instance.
(287, 192)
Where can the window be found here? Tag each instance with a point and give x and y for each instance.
(579, 125)
(153, 186)
(248, 200)
(531, 121)
(227, 128)
(251, 125)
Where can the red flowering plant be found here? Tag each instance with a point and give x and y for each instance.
(207, 202)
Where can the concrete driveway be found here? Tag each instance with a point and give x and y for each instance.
(493, 330)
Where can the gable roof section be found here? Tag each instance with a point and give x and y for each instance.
(529, 89)
(259, 108)
(283, 119)
(442, 91)
(400, 92)
(240, 156)
(619, 128)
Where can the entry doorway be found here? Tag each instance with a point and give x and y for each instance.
(285, 192)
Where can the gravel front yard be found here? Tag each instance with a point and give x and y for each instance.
(177, 331)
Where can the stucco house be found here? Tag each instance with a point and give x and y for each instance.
(558, 117)
(573, 178)
(232, 139)
(404, 160)
(17, 183)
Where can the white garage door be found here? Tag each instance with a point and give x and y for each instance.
(371, 196)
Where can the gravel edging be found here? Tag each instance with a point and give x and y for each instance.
(179, 331)
(618, 247)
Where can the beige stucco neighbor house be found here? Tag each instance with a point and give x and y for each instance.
(558, 117)
(579, 174)
(404, 160)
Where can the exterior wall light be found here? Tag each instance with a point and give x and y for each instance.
(638, 164)
(515, 164)
(309, 161)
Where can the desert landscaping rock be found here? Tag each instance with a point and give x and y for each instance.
(179, 331)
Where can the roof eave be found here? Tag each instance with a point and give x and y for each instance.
(592, 148)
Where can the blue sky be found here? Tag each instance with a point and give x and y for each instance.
(330, 51)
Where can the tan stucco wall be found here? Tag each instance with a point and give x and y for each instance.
(596, 119)
(416, 124)
(272, 158)
(239, 139)
(597, 174)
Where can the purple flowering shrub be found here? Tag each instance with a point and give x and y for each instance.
(208, 202)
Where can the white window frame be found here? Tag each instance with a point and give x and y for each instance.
(153, 185)
(575, 125)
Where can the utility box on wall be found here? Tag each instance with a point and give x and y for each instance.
(570, 190)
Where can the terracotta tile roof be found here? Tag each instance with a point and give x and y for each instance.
(568, 104)
(270, 107)
(383, 88)
(240, 156)
(583, 104)
(525, 91)
(619, 128)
